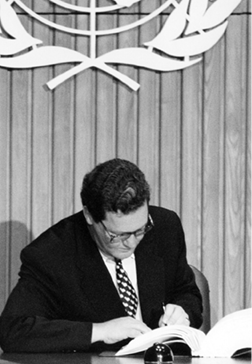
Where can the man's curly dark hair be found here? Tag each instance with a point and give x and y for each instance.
(114, 185)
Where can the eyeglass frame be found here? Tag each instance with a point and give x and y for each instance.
(142, 231)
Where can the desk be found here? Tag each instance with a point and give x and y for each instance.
(88, 358)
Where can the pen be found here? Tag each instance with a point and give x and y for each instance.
(163, 306)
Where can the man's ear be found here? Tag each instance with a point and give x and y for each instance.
(87, 216)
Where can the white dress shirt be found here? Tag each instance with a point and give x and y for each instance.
(129, 265)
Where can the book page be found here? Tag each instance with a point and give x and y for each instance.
(192, 337)
(231, 333)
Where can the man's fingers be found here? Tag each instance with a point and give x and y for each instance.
(174, 315)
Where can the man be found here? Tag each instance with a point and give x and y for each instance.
(70, 295)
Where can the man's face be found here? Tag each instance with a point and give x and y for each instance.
(118, 223)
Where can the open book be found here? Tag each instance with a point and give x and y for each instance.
(231, 334)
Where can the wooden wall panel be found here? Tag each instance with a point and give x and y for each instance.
(213, 187)
(127, 101)
(247, 294)
(106, 97)
(149, 117)
(42, 142)
(189, 131)
(235, 164)
(85, 109)
(20, 166)
(63, 131)
(170, 141)
(191, 166)
(5, 137)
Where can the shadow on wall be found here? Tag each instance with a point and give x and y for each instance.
(14, 236)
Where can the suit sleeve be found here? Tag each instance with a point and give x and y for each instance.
(31, 320)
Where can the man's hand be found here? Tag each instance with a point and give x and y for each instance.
(119, 329)
(174, 315)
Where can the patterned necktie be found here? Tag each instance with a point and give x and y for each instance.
(126, 290)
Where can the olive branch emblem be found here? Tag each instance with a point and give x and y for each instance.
(192, 28)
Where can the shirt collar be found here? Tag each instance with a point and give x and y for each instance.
(110, 259)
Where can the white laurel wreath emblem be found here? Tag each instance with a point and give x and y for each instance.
(192, 28)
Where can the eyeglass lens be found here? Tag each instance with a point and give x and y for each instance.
(138, 233)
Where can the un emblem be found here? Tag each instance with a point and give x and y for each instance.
(192, 28)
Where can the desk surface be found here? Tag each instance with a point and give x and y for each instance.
(88, 358)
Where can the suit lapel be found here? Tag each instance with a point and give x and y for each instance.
(97, 283)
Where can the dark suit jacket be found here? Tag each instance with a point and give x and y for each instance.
(64, 286)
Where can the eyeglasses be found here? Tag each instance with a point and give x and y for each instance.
(118, 238)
